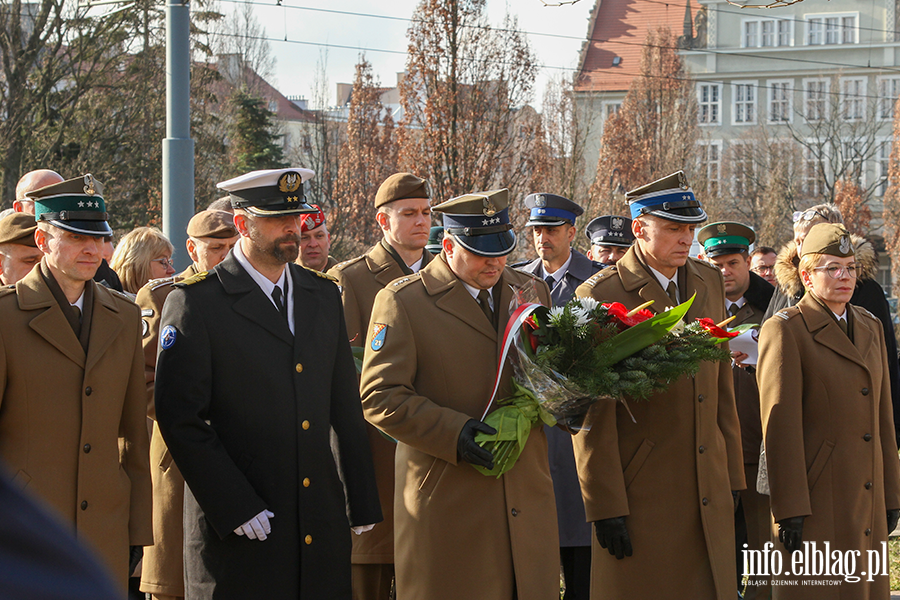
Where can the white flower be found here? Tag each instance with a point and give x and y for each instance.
(555, 315)
(678, 329)
(582, 316)
(588, 303)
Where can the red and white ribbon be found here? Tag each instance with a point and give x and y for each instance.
(513, 330)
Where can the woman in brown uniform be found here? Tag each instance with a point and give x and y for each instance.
(828, 426)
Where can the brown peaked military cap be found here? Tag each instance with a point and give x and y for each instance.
(212, 224)
(399, 186)
(18, 228)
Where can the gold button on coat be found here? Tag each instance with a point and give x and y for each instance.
(299, 368)
(308, 540)
(306, 482)
(305, 424)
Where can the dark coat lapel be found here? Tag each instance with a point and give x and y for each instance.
(50, 323)
(252, 303)
(306, 302)
(455, 298)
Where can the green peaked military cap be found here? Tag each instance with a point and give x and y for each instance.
(725, 237)
(480, 222)
(75, 205)
(827, 238)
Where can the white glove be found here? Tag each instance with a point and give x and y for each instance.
(361, 529)
(257, 528)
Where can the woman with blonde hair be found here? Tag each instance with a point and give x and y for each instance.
(867, 292)
(828, 428)
(142, 254)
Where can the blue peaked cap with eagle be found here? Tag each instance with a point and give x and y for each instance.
(480, 222)
(270, 192)
(669, 198)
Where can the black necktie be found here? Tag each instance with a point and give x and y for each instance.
(733, 309)
(672, 291)
(484, 299)
(277, 296)
(550, 281)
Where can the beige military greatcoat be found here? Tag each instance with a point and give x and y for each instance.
(670, 473)
(829, 434)
(458, 533)
(361, 279)
(163, 567)
(62, 414)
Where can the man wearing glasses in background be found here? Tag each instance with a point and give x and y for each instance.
(762, 262)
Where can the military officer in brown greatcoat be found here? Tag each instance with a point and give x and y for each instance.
(73, 405)
(828, 427)
(404, 215)
(430, 367)
(747, 296)
(671, 470)
(211, 235)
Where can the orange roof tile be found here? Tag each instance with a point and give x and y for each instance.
(619, 28)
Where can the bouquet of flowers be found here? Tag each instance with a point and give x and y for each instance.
(567, 358)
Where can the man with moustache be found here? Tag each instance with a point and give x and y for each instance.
(254, 373)
(610, 237)
(404, 215)
(315, 242)
(211, 235)
(18, 250)
(747, 295)
(73, 426)
(552, 223)
(674, 460)
(430, 366)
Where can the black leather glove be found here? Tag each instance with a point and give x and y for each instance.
(135, 554)
(469, 450)
(613, 535)
(790, 533)
(893, 516)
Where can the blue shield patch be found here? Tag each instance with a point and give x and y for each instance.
(378, 332)
(167, 337)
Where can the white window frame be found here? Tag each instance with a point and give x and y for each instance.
(759, 24)
(804, 178)
(824, 100)
(846, 146)
(828, 29)
(741, 166)
(853, 101)
(610, 107)
(736, 87)
(882, 164)
(770, 99)
(888, 89)
(714, 183)
(717, 104)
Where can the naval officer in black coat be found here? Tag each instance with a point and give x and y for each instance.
(253, 373)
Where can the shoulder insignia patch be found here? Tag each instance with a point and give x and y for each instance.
(193, 279)
(400, 281)
(167, 337)
(404, 281)
(122, 295)
(348, 262)
(787, 313)
(146, 312)
(866, 312)
(321, 274)
(379, 331)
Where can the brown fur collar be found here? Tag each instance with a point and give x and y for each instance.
(788, 276)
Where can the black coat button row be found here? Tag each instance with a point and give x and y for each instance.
(87, 448)
(705, 501)
(700, 398)
(701, 449)
(84, 505)
(868, 437)
(514, 512)
(865, 391)
(88, 391)
(868, 485)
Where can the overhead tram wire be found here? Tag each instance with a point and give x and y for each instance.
(507, 63)
(712, 51)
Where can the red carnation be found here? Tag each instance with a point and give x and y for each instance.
(618, 312)
(714, 330)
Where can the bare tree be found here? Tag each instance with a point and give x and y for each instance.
(240, 42)
(464, 124)
(655, 131)
(367, 158)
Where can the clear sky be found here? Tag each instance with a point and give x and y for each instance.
(298, 21)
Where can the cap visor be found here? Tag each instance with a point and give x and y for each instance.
(537, 223)
(92, 228)
(682, 215)
(492, 244)
(617, 243)
(723, 250)
(281, 210)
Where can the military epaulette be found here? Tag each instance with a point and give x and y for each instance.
(192, 279)
(866, 312)
(404, 281)
(787, 313)
(529, 273)
(158, 283)
(122, 295)
(321, 274)
(520, 264)
(348, 262)
(7, 289)
(600, 276)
